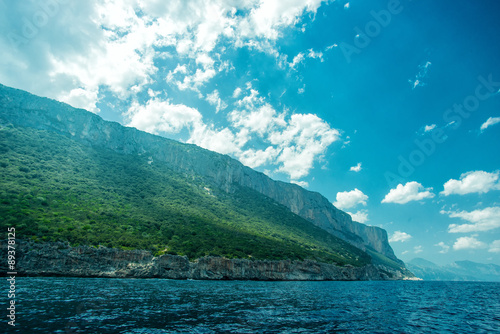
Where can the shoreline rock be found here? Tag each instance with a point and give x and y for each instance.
(59, 259)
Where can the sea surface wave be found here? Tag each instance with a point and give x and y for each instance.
(100, 305)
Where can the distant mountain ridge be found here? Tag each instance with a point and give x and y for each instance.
(457, 271)
(23, 109)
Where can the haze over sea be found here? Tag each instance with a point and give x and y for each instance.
(94, 305)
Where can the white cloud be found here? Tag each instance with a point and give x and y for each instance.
(237, 92)
(350, 199)
(418, 249)
(270, 16)
(112, 50)
(422, 74)
(162, 116)
(112, 45)
(429, 127)
(490, 122)
(361, 216)
(356, 168)
(255, 158)
(315, 55)
(293, 144)
(303, 184)
(304, 140)
(468, 243)
(399, 236)
(260, 120)
(444, 247)
(81, 98)
(495, 247)
(215, 100)
(328, 48)
(222, 140)
(347, 5)
(411, 191)
(482, 220)
(473, 182)
(299, 58)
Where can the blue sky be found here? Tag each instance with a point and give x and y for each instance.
(390, 109)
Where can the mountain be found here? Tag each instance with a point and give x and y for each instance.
(457, 271)
(74, 177)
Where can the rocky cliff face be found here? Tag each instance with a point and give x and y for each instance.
(59, 259)
(23, 109)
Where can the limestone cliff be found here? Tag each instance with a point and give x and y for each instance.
(23, 109)
(59, 259)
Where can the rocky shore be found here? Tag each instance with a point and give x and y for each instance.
(59, 259)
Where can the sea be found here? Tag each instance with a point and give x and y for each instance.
(104, 305)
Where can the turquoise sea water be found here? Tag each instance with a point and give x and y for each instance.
(98, 305)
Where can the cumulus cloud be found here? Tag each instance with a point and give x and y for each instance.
(267, 19)
(411, 191)
(490, 122)
(444, 247)
(237, 92)
(481, 220)
(418, 249)
(221, 140)
(257, 120)
(81, 98)
(255, 158)
(162, 116)
(113, 46)
(361, 216)
(350, 199)
(356, 168)
(304, 140)
(399, 236)
(468, 243)
(473, 182)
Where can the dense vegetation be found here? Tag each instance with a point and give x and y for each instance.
(55, 189)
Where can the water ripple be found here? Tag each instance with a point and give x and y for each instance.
(94, 305)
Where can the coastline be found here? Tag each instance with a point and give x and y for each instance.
(60, 259)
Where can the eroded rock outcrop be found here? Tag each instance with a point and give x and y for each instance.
(59, 259)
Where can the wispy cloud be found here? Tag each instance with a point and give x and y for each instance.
(399, 236)
(482, 220)
(444, 247)
(418, 249)
(490, 122)
(356, 168)
(420, 76)
(495, 247)
(215, 100)
(429, 127)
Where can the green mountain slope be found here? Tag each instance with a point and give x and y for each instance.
(53, 188)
